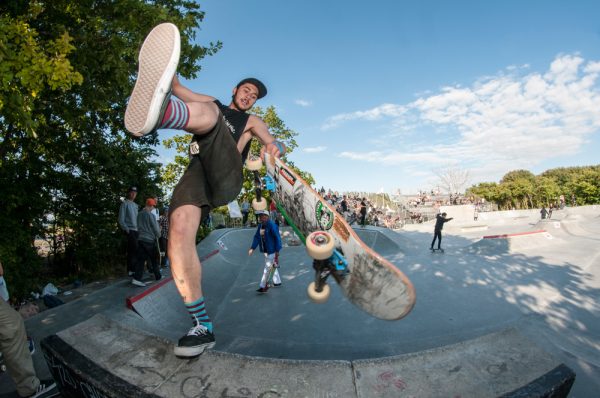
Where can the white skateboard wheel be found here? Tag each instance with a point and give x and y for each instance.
(320, 245)
(253, 164)
(259, 204)
(318, 297)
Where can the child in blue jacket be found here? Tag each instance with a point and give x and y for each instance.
(268, 238)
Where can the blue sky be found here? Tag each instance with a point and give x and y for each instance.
(385, 95)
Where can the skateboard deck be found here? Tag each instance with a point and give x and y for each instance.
(368, 280)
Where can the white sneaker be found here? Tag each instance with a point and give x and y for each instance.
(46, 389)
(138, 283)
(158, 60)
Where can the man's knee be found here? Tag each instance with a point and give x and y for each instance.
(203, 117)
(183, 225)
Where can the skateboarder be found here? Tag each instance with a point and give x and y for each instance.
(437, 232)
(214, 176)
(268, 239)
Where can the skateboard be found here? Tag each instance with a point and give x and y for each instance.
(437, 250)
(272, 270)
(367, 280)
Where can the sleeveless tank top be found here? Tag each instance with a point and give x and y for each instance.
(236, 122)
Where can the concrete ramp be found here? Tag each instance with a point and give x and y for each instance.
(511, 243)
(101, 357)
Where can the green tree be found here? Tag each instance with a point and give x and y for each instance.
(522, 189)
(586, 186)
(547, 191)
(66, 69)
(486, 190)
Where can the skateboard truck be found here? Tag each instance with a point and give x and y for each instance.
(336, 266)
(326, 261)
(254, 164)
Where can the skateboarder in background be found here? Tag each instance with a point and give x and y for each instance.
(437, 232)
(214, 176)
(268, 239)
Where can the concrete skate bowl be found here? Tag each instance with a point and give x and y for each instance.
(582, 221)
(388, 244)
(282, 345)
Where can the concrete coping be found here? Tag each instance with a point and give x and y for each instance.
(101, 357)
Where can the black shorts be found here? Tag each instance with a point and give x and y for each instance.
(214, 176)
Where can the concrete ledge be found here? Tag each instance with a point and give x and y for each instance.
(104, 358)
(497, 364)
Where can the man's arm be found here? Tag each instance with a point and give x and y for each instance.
(255, 242)
(258, 128)
(155, 227)
(121, 218)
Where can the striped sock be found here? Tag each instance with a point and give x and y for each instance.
(177, 116)
(198, 313)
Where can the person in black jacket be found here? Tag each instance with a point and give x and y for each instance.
(437, 232)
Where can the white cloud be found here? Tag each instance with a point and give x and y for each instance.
(515, 119)
(385, 110)
(303, 103)
(314, 149)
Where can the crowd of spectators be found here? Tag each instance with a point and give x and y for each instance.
(394, 214)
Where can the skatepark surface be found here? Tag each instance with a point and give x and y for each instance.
(510, 300)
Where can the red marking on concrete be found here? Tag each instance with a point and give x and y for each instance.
(511, 235)
(389, 379)
(130, 300)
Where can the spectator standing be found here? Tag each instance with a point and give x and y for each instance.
(163, 241)
(344, 205)
(273, 211)
(128, 223)
(363, 212)
(148, 236)
(245, 211)
(544, 212)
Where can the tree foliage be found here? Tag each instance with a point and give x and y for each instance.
(521, 189)
(66, 69)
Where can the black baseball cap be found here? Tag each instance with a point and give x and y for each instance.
(262, 89)
(132, 189)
